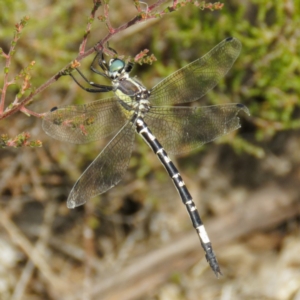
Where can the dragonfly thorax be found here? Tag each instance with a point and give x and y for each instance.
(132, 94)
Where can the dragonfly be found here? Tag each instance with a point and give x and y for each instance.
(155, 115)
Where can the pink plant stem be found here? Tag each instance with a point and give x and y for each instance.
(5, 84)
(159, 2)
(106, 14)
(30, 112)
(89, 25)
(54, 78)
(29, 98)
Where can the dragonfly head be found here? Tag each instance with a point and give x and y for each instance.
(118, 68)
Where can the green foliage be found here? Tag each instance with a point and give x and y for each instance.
(270, 82)
(21, 140)
(265, 77)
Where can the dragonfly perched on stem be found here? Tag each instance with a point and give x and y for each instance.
(150, 113)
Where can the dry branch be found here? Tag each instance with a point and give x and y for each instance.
(266, 207)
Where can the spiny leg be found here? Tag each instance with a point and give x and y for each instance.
(98, 88)
(100, 60)
(186, 197)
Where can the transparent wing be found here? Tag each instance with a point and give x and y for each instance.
(106, 170)
(81, 124)
(182, 129)
(194, 80)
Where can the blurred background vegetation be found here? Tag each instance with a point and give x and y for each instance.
(136, 241)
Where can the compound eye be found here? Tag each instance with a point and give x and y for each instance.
(117, 65)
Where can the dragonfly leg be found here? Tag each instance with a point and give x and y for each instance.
(98, 88)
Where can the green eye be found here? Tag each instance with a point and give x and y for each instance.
(116, 65)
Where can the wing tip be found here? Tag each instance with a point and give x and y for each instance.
(71, 204)
(229, 39)
(244, 108)
(235, 43)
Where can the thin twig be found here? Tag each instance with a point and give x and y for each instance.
(97, 4)
(32, 252)
(158, 3)
(80, 56)
(21, 285)
(26, 111)
(8, 56)
(9, 173)
(265, 207)
(107, 20)
(44, 235)
(89, 247)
